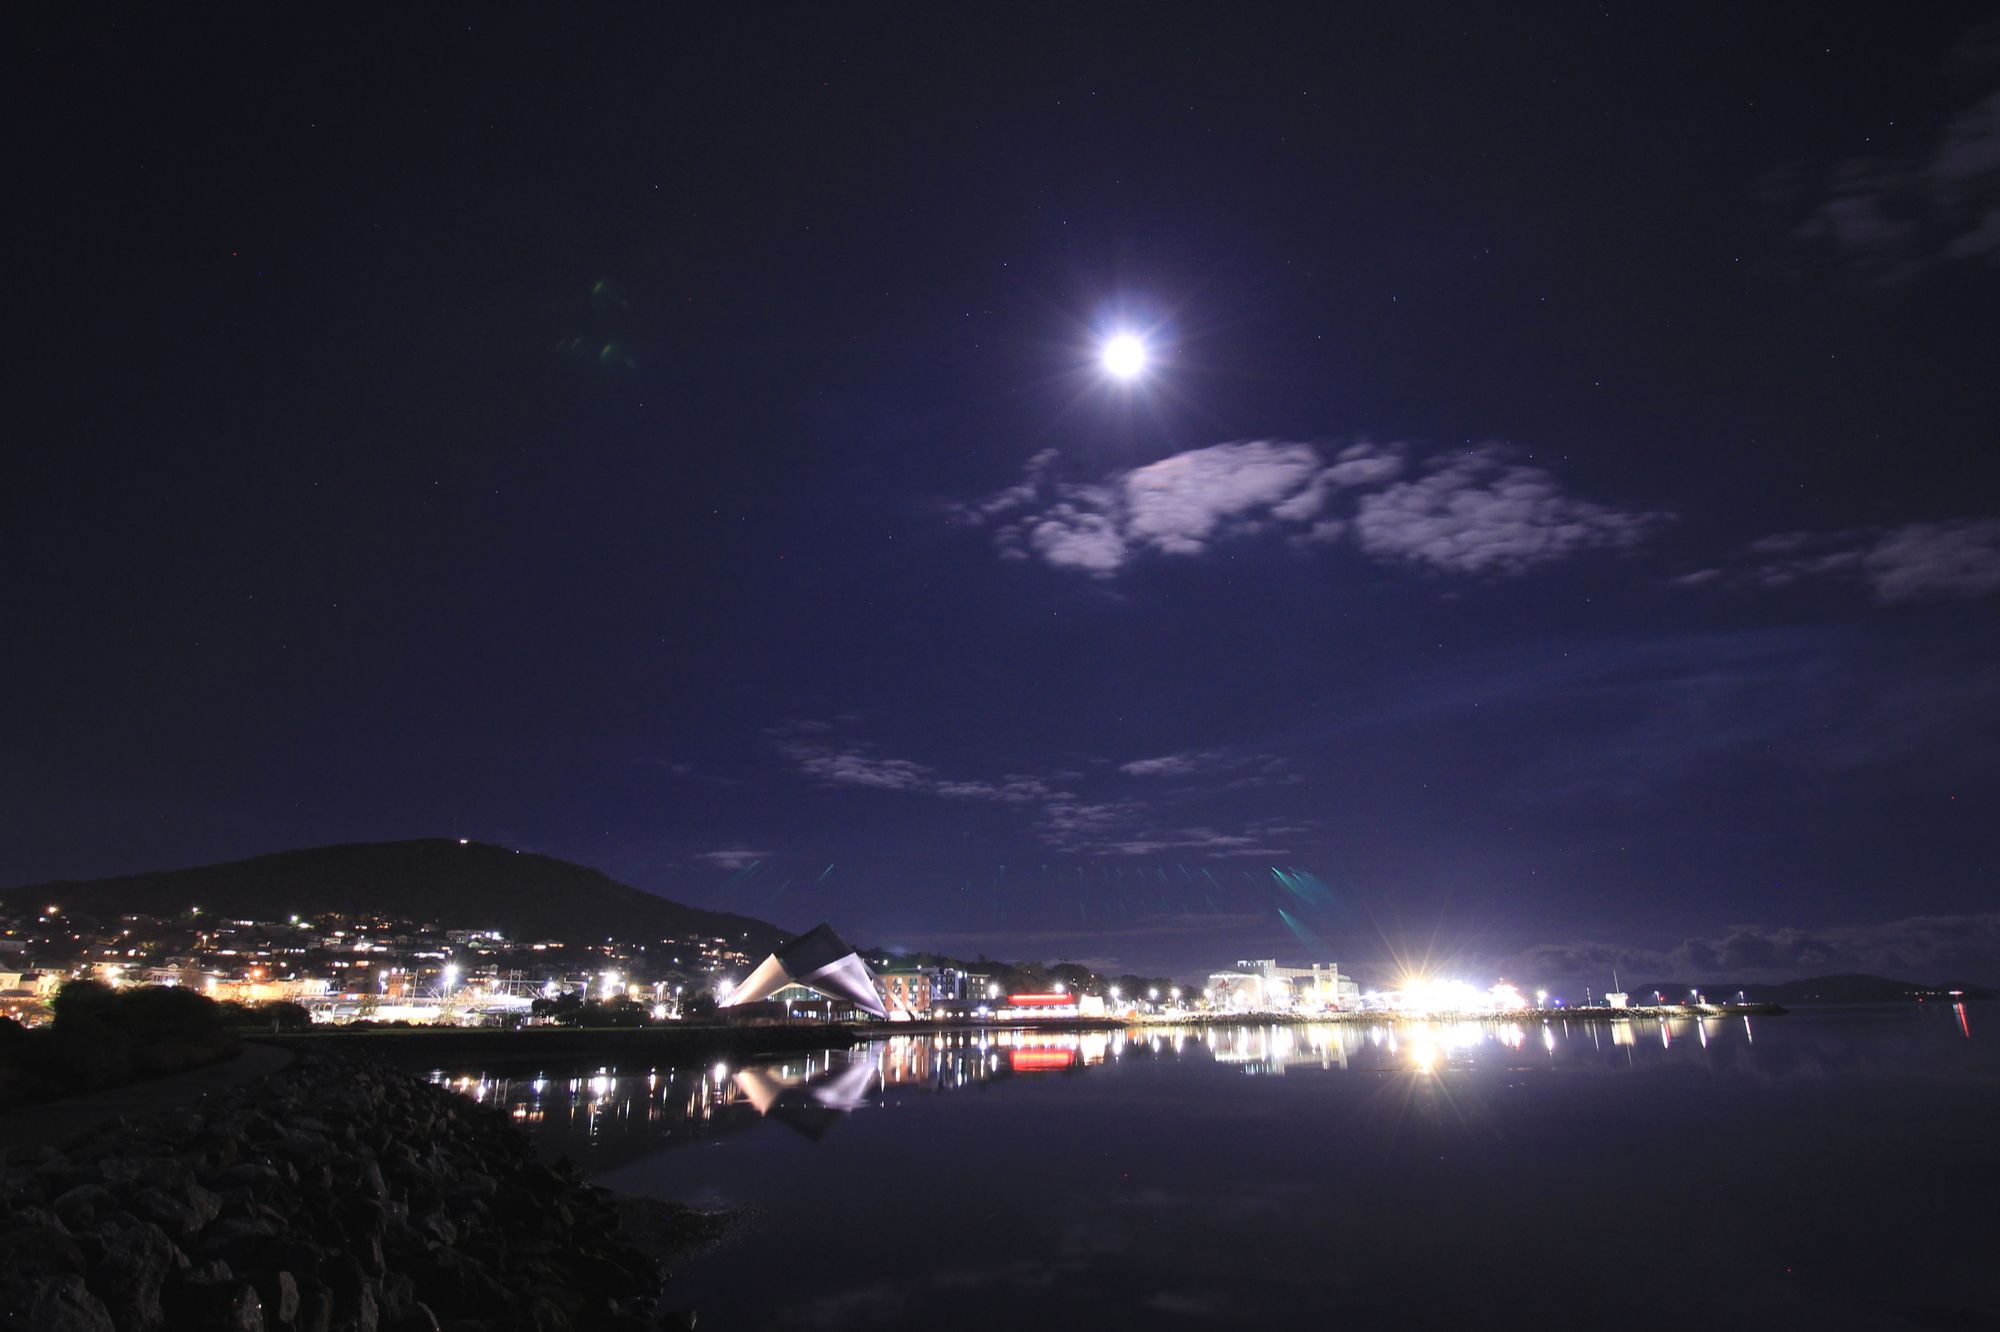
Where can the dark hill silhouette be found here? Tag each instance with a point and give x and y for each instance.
(457, 885)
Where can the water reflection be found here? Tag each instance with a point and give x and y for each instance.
(608, 1115)
(1443, 1174)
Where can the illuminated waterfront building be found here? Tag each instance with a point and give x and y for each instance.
(905, 989)
(1261, 985)
(819, 960)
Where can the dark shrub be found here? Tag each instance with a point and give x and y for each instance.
(103, 1037)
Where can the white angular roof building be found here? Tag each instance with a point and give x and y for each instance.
(819, 960)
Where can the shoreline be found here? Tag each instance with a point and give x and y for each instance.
(432, 1047)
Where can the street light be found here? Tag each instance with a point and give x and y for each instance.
(1541, 998)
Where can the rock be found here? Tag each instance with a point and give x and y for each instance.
(354, 1307)
(132, 1276)
(79, 1206)
(211, 1299)
(415, 1318)
(315, 1306)
(246, 1245)
(279, 1292)
(205, 1204)
(337, 1197)
(36, 1245)
(19, 1188)
(170, 1214)
(253, 1176)
(235, 1308)
(65, 1304)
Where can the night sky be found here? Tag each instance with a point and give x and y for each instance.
(1559, 524)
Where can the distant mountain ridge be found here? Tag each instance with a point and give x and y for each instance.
(459, 885)
(1843, 989)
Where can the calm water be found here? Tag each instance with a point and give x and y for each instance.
(1835, 1170)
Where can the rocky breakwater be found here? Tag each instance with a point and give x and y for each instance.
(336, 1196)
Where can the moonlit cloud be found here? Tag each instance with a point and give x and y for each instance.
(733, 857)
(1132, 828)
(1214, 770)
(820, 750)
(1941, 561)
(1179, 505)
(1925, 561)
(1889, 217)
(1173, 765)
(1072, 812)
(1484, 512)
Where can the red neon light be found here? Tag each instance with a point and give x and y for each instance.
(1036, 1061)
(1035, 1000)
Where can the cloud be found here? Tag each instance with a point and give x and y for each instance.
(1231, 772)
(1954, 559)
(1184, 764)
(854, 767)
(1179, 505)
(1066, 821)
(1480, 513)
(734, 857)
(815, 751)
(1924, 561)
(1919, 948)
(1887, 218)
(1131, 828)
(1483, 513)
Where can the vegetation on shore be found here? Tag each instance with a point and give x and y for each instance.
(103, 1037)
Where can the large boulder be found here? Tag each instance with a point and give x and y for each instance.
(132, 1275)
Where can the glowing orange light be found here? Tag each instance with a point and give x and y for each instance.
(1039, 1061)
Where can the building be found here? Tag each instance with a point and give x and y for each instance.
(906, 990)
(820, 961)
(1261, 985)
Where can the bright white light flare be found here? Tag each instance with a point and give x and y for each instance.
(1124, 356)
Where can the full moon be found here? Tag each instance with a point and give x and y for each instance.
(1124, 356)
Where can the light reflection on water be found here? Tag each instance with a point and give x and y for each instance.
(610, 1114)
(1819, 1171)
